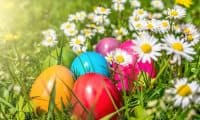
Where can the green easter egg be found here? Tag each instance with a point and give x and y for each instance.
(65, 58)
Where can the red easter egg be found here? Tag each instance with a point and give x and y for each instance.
(98, 96)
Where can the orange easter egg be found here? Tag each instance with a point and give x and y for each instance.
(43, 86)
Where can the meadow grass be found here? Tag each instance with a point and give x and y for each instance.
(22, 57)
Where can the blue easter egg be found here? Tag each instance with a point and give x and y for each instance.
(89, 62)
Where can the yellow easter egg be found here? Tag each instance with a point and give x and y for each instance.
(43, 86)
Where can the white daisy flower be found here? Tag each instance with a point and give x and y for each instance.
(179, 48)
(49, 34)
(119, 1)
(88, 33)
(118, 7)
(67, 26)
(176, 28)
(78, 40)
(137, 25)
(183, 92)
(135, 3)
(141, 13)
(164, 26)
(100, 29)
(50, 38)
(191, 33)
(70, 32)
(158, 4)
(109, 57)
(78, 43)
(69, 29)
(119, 33)
(147, 47)
(121, 57)
(157, 15)
(102, 11)
(79, 16)
(177, 12)
(101, 20)
(90, 16)
(49, 42)
(151, 25)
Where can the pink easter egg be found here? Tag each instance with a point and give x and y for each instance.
(125, 75)
(106, 45)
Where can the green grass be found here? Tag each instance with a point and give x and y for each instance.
(22, 57)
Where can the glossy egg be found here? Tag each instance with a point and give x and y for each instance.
(125, 75)
(94, 94)
(43, 85)
(106, 45)
(65, 58)
(89, 62)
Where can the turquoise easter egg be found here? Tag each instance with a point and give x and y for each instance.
(89, 62)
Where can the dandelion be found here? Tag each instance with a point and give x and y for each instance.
(147, 48)
(183, 92)
(178, 48)
(177, 12)
(158, 4)
(186, 3)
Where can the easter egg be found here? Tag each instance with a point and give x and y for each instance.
(95, 94)
(65, 58)
(89, 62)
(106, 45)
(125, 75)
(43, 85)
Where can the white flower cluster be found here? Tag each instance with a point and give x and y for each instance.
(50, 38)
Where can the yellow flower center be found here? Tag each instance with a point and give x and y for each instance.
(146, 48)
(184, 90)
(103, 10)
(177, 46)
(138, 25)
(149, 26)
(189, 37)
(78, 42)
(140, 11)
(49, 40)
(174, 13)
(165, 24)
(186, 31)
(120, 59)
